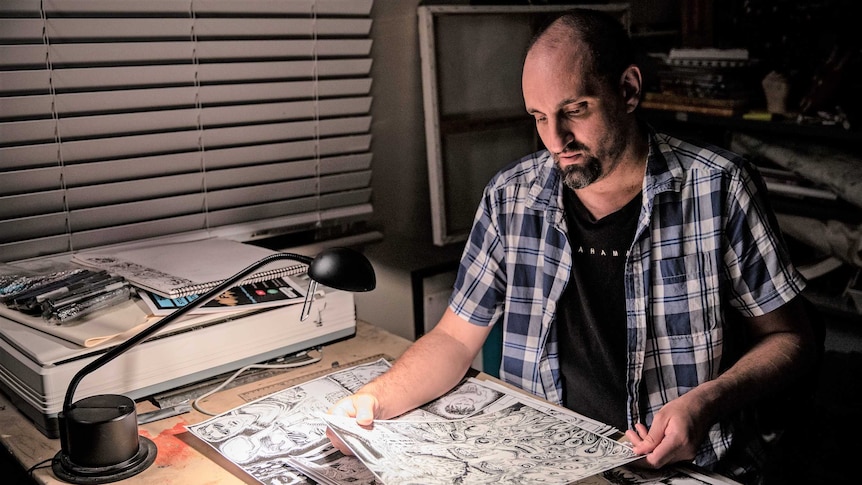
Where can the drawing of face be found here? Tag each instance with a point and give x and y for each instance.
(461, 406)
(222, 427)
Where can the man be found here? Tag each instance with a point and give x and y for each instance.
(617, 260)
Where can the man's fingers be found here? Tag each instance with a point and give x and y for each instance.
(643, 442)
(337, 443)
(362, 407)
(366, 407)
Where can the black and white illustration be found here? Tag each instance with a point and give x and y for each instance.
(281, 439)
(515, 445)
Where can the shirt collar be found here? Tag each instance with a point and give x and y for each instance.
(664, 170)
(545, 190)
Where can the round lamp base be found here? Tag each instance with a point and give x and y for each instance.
(67, 471)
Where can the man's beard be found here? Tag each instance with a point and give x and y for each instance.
(579, 176)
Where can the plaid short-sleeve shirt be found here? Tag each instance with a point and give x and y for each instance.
(705, 239)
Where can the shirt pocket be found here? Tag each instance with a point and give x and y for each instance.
(685, 299)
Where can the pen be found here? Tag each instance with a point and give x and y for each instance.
(84, 307)
(22, 285)
(72, 286)
(87, 291)
(26, 300)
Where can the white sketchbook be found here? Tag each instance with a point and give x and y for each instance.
(186, 268)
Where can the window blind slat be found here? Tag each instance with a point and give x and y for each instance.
(30, 204)
(345, 181)
(96, 173)
(178, 119)
(134, 212)
(104, 78)
(32, 227)
(45, 155)
(133, 232)
(343, 7)
(137, 99)
(299, 190)
(286, 131)
(348, 209)
(70, 55)
(34, 247)
(345, 199)
(127, 191)
(68, 29)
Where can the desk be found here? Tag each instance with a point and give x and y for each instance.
(181, 459)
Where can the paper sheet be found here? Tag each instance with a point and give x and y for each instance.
(116, 322)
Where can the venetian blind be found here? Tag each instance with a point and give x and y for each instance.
(123, 120)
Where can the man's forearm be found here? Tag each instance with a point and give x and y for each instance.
(428, 369)
(767, 367)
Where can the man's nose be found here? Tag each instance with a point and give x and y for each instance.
(558, 135)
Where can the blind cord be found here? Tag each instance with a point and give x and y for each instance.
(55, 116)
(316, 93)
(199, 114)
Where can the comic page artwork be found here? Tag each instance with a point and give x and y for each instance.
(512, 446)
(273, 437)
(280, 439)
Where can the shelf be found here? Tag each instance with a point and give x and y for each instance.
(738, 123)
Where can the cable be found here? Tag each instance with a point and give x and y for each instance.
(236, 374)
(41, 464)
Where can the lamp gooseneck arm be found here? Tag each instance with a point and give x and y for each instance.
(143, 334)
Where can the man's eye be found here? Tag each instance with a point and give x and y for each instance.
(578, 110)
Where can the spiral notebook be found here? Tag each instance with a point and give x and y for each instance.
(186, 268)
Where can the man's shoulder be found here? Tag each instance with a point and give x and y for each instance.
(693, 154)
(523, 171)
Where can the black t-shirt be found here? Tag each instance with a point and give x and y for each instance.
(591, 313)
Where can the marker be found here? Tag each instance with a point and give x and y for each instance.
(88, 305)
(87, 291)
(75, 286)
(26, 300)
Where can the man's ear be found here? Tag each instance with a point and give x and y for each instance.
(632, 84)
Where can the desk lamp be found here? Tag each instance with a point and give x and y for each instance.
(99, 434)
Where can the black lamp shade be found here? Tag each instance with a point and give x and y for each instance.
(341, 268)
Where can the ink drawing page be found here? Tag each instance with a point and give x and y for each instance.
(477, 429)
(280, 439)
(512, 446)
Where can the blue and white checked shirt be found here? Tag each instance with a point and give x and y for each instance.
(704, 237)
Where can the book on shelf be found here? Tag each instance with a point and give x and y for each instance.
(708, 57)
(186, 268)
(706, 106)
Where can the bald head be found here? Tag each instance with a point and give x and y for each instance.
(596, 36)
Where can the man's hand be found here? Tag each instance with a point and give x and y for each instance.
(676, 433)
(363, 407)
